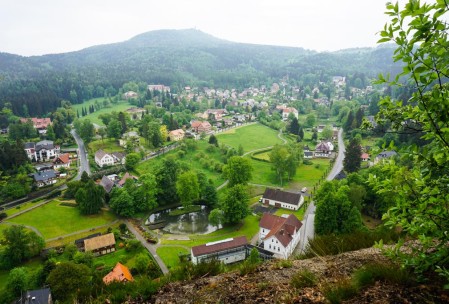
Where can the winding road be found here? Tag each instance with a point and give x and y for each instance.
(308, 231)
(82, 152)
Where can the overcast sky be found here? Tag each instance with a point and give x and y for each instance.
(36, 27)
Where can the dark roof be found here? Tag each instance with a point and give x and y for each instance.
(218, 246)
(282, 196)
(268, 220)
(125, 178)
(322, 146)
(100, 154)
(41, 296)
(45, 144)
(386, 154)
(308, 153)
(29, 145)
(118, 155)
(81, 241)
(106, 183)
(306, 148)
(340, 175)
(44, 175)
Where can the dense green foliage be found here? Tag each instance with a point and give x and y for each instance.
(420, 189)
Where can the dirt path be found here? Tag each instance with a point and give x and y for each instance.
(26, 226)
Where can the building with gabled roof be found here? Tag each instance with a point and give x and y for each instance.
(107, 184)
(37, 296)
(40, 124)
(176, 135)
(44, 178)
(103, 159)
(282, 199)
(201, 126)
(120, 273)
(227, 251)
(100, 245)
(62, 161)
(279, 234)
(125, 177)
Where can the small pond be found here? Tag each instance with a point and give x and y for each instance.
(194, 222)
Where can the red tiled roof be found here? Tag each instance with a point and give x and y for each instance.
(125, 178)
(219, 246)
(38, 123)
(280, 227)
(365, 155)
(120, 273)
(63, 158)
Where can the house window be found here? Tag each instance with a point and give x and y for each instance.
(269, 246)
(276, 241)
(263, 230)
(279, 249)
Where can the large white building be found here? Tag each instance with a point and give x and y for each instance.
(282, 199)
(103, 159)
(227, 251)
(42, 151)
(279, 234)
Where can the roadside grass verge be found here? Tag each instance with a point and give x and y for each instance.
(108, 145)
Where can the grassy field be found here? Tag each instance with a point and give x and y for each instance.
(170, 255)
(251, 137)
(53, 220)
(108, 145)
(298, 213)
(248, 228)
(93, 117)
(200, 160)
(21, 207)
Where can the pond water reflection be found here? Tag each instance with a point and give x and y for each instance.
(194, 222)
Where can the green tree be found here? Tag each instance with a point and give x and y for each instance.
(18, 281)
(294, 126)
(131, 161)
(86, 131)
(213, 140)
(69, 282)
(238, 170)
(114, 129)
(310, 120)
(187, 188)
(166, 176)
(20, 245)
(121, 202)
(142, 263)
(144, 193)
(420, 191)
(240, 151)
(327, 132)
(235, 204)
(353, 160)
(334, 212)
(216, 217)
(90, 198)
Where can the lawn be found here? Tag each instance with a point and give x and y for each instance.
(53, 220)
(200, 159)
(306, 175)
(170, 255)
(248, 228)
(251, 137)
(21, 207)
(108, 145)
(93, 117)
(298, 213)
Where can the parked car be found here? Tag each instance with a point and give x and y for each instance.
(303, 190)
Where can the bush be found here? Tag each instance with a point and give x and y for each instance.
(336, 293)
(3, 215)
(307, 162)
(336, 244)
(373, 272)
(133, 245)
(302, 279)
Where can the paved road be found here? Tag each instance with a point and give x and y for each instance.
(83, 162)
(308, 231)
(149, 247)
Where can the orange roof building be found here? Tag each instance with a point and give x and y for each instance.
(120, 273)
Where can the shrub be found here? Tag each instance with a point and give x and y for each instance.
(3, 215)
(304, 278)
(133, 245)
(307, 162)
(373, 272)
(340, 291)
(283, 264)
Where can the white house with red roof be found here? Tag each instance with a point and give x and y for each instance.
(40, 124)
(286, 112)
(176, 135)
(279, 234)
(227, 251)
(62, 161)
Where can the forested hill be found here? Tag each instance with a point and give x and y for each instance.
(171, 57)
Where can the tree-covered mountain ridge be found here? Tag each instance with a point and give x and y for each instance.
(177, 58)
(194, 54)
